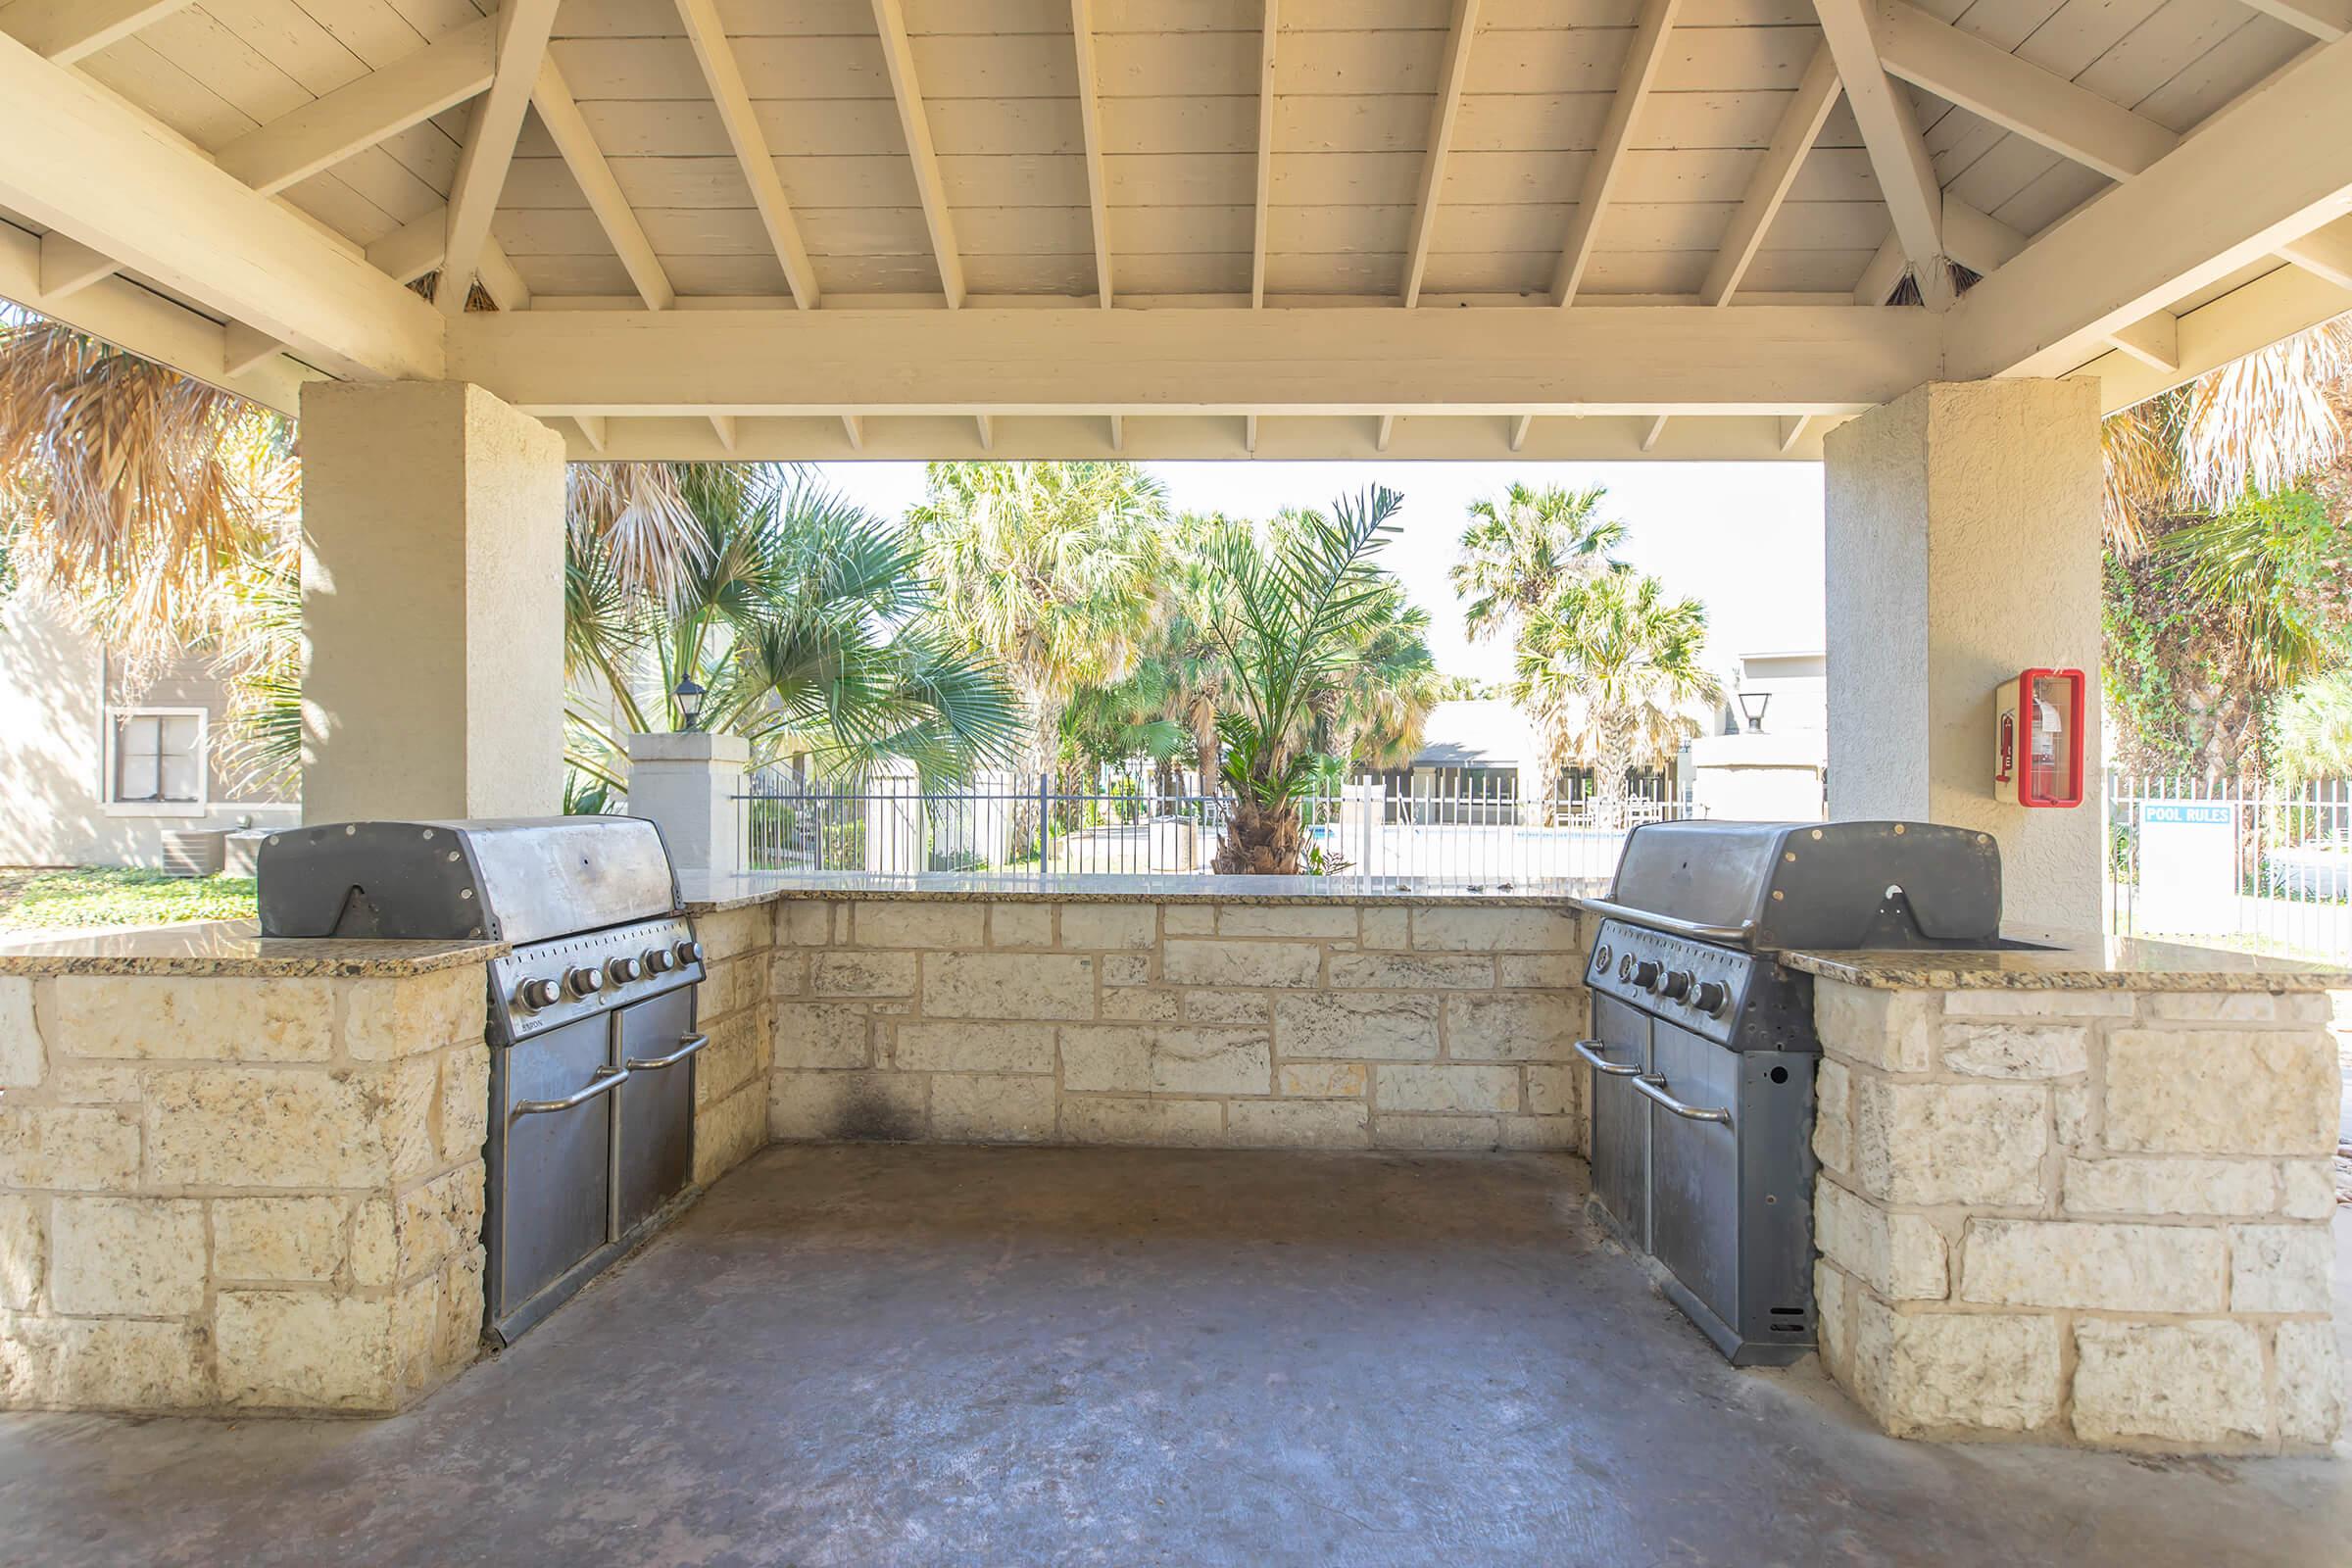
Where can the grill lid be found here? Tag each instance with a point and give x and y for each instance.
(511, 879)
(1818, 885)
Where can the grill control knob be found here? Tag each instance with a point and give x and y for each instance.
(534, 994)
(1678, 984)
(1710, 998)
(689, 952)
(584, 982)
(659, 961)
(1645, 974)
(623, 971)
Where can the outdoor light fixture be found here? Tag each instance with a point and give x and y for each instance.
(1752, 705)
(690, 703)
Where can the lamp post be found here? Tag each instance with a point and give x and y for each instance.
(1751, 706)
(690, 705)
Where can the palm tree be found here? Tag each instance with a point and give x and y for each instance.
(1049, 569)
(1304, 603)
(804, 619)
(1612, 664)
(1516, 553)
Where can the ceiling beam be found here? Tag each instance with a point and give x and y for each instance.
(361, 114)
(2274, 306)
(1383, 431)
(1793, 430)
(1265, 158)
(415, 249)
(523, 30)
(723, 75)
(66, 30)
(1442, 116)
(1089, 124)
(1897, 155)
(68, 265)
(1652, 430)
(2325, 20)
(1643, 56)
(594, 429)
(2273, 168)
(81, 162)
(242, 348)
(568, 129)
(1520, 426)
(2154, 340)
(725, 427)
(853, 428)
(1970, 238)
(1118, 432)
(915, 122)
(1801, 125)
(1249, 435)
(2325, 252)
(1361, 360)
(2016, 94)
(988, 431)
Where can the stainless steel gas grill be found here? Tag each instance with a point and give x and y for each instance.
(1704, 1046)
(591, 1016)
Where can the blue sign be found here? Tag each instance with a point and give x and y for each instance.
(2219, 813)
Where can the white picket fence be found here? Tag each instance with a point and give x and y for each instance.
(2269, 871)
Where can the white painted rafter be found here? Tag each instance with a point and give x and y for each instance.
(1520, 426)
(1383, 432)
(415, 248)
(2325, 252)
(81, 162)
(1118, 432)
(1801, 125)
(1652, 430)
(243, 347)
(594, 429)
(853, 429)
(358, 115)
(1793, 430)
(66, 30)
(523, 30)
(988, 431)
(723, 75)
(68, 265)
(723, 426)
(1643, 58)
(1890, 133)
(2325, 20)
(1089, 123)
(2274, 168)
(570, 132)
(1976, 241)
(2016, 94)
(1442, 116)
(915, 121)
(1268, 24)
(2153, 340)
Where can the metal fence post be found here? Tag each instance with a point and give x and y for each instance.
(1045, 820)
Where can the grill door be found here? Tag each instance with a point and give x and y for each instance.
(552, 1200)
(1621, 1119)
(658, 1044)
(1694, 1167)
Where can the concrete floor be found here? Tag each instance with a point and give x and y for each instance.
(926, 1354)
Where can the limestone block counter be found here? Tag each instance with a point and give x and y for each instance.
(2080, 1192)
(1323, 1012)
(239, 1174)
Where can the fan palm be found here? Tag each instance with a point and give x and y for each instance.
(804, 619)
(1612, 666)
(1046, 569)
(1304, 605)
(1517, 552)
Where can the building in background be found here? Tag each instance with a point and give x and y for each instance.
(1767, 759)
(95, 773)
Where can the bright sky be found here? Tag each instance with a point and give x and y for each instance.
(1744, 538)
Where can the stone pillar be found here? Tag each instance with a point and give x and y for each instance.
(1962, 547)
(432, 604)
(687, 783)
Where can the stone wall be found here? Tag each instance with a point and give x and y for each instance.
(735, 1010)
(239, 1193)
(2080, 1216)
(1299, 1025)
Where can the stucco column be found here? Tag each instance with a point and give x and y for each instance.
(432, 604)
(687, 783)
(1962, 547)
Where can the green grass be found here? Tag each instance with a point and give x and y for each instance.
(94, 895)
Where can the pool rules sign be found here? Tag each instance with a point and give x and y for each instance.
(2187, 867)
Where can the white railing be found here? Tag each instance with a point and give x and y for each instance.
(1475, 831)
(2268, 870)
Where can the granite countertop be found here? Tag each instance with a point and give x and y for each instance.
(229, 948)
(2072, 961)
(706, 895)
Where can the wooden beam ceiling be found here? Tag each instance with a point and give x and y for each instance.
(1090, 130)
(552, 96)
(915, 122)
(1264, 181)
(1897, 155)
(723, 75)
(353, 118)
(1643, 56)
(1452, 71)
(523, 31)
(66, 30)
(1791, 140)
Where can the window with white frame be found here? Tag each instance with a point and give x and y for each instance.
(154, 761)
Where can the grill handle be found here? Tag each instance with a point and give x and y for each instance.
(607, 1080)
(1696, 930)
(688, 1044)
(1591, 1050)
(1653, 1089)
